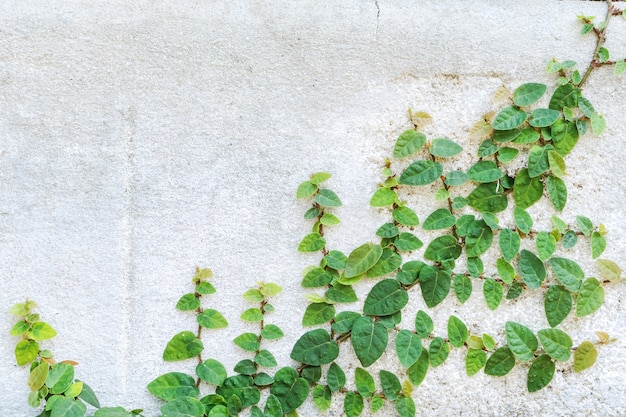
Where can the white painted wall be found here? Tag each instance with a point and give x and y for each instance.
(143, 138)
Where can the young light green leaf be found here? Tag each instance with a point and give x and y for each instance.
(182, 346)
(265, 358)
(438, 351)
(505, 271)
(318, 313)
(528, 135)
(488, 198)
(361, 259)
(598, 244)
(42, 331)
(457, 332)
(546, 245)
(408, 143)
(405, 216)
(322, 397)
(385, 298)
(509, 118)
(444, 148)
(585, 356)
(526, 190)
(173, 385)
(475, 360)
(500, 362)
(421, 172)
(556, 343)
(568, 272)
(609, 270)
(383, 197)
(364, 382)
(328, 219)
(312, 243)
(557, 164)
(620, 66)
(369, 340)
(320, 177)
(408, 347)
(306, 189)
(557, 191)
(462, 287)
(417, 371)
(315, 348)
(435, 285)
(527, 94)
(540, 373)
(557, 304)
(532, 269)
(253, 295)
(521, 341)
(509, 241)
(590, 298)
(439, 219)
(493, 291)
(211, 319)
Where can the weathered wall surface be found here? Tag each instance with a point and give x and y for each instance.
(143, 138)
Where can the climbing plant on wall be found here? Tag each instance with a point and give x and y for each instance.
(467, 243)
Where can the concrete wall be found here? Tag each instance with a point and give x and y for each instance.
(143, 138)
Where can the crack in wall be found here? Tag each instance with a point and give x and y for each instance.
(377, 17)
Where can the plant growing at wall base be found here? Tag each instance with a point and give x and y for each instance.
(482, 235)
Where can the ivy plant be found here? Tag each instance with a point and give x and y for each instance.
(482, 236)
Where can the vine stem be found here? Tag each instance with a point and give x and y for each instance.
(600, 41)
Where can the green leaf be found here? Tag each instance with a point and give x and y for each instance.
(265, 358)
(438, 351)
(500, 363)
(523, 221)
(376, 403)
(598, 244)
(408, 143)
(312, 213)
(252, 315)
(532, 269)
(568, 272)
(383, 197)
(417, 371)
(590, 298)
(515, 290)
(557, 191)
(306, 189)
(543, 117)
(556, 343)
(205, 288)
(38, 376)
(322, 397)
(564, 96)
(528, 135)
(585, 225)
(42, 331)
(488, 198)
(318, 313)
(509, 118)
(173, 385)
(493, 291)
(506, 155)
(353, 404)
(66, 407)
(316, 277)
(620, 66)
(505, 271)
(211, 371)
(509, 241)
(390, 384)
(538, 162)
(312, 243)
(484, 172)
(456, 178)
(421, 172)
(247, 341)
(479, 238)
(388, 262)
(546, 245)
(369, 340)
(521, 341)
(385, 298)
(444, 148)
(527, 94)
(88, 396)
(271, 332)
(405, 406)
(475, 266)
(475, 361)
(329, 219)
(526, 190)
(423, 324)
(211, 319)
(362, 258)
(408, 347)
(336, 259)
(585, 356)
(320, 177)
(462, 287)
(344, 321)
(557, 304)
(407, 242)
(457, 332)
(341, 294)
(405, 216)
(315, 348)
(184, 407)
(336, 378)
(609, 270)
(253, 295)
(569, 239)
(182, 346)
(603, 54)
(540, 373)
(290, 390)
(557, 164)
(245, 367)
(443, 248)
(486, 148)
(439, 219)
(409, 272)
(327, 198)
(564, 136)
(364, 382)
(435, 285)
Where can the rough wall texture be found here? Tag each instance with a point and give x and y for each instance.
(143, 138)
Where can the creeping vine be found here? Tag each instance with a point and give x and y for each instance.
(475, 208)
